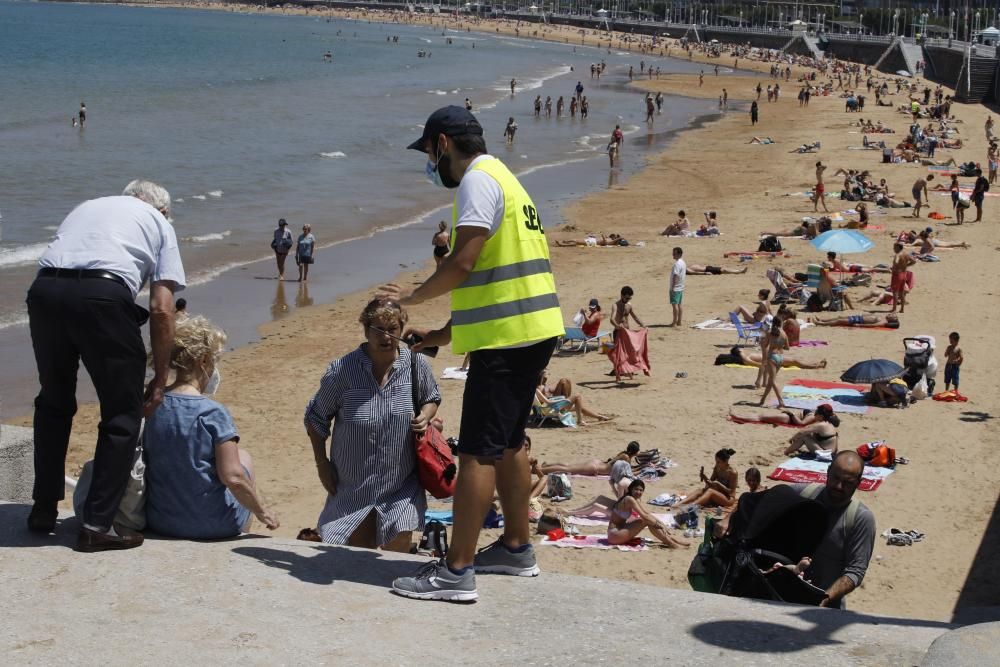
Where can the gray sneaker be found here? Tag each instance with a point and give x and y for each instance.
(434, 581)
(498, 559)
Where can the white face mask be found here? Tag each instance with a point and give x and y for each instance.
(213, 383)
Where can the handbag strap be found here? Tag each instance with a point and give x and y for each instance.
(415, 382)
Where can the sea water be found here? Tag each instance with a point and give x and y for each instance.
(242, 118)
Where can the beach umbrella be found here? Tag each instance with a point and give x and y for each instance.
(842, 241)
(872, 370)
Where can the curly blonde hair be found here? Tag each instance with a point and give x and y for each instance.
(383, 310)
(195, 339)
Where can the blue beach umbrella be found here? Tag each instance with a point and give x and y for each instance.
(842, 242)
(872, 370)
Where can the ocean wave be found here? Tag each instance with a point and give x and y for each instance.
(549, 165)
(333, 155)
(205, 238)
(16, 319)
(538, 82)
(25, 254)
(214, 193)
(199, 197)
(179, 200)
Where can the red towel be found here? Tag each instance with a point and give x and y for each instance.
(826, 384)
(630, 353)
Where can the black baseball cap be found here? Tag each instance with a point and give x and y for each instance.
(594, 303)
(451, 121)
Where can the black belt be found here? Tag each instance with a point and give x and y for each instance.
(52, 272)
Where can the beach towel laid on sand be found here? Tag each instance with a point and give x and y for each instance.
(950, 396)
(601, 519)
(810, 343)
(454, 373)
(727, 325)
(593, 542)
(755, 368)
(813, 471)
(755, 253)
(630, 354)
(845, 398)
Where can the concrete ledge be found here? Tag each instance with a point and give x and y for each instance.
(17, 470)
(265, 601)
(971, 646)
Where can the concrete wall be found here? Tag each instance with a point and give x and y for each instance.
(17, 472)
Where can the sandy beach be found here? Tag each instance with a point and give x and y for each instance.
(947, 491)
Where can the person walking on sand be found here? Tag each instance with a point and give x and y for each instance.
(725, 99)
(901, 276)
(505, 313)
(819, 195)
(920, 194)
(701, 78)
(82, 306)
(677, 277)
(281, 244)
(304, 248)
(753, 112)
(441, 240)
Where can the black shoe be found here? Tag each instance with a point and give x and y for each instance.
(90, 541)
(43, 516)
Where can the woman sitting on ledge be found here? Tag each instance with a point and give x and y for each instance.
(201, 483)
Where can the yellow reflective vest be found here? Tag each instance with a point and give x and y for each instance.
(509, 298)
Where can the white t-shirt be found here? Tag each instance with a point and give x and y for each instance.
(122, 235)
(480, 200)
(678, 274)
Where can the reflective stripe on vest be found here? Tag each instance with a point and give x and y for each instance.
(509, 298)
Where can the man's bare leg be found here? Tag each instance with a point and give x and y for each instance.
(513, 484)
(473, 497)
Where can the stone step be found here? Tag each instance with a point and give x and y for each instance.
(256, 600)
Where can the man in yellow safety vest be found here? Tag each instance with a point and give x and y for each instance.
(505, 314)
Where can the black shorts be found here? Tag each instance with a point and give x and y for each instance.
(499, 393)
(714, 270)
(440, 250)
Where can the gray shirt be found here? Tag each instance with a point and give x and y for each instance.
(842, 552)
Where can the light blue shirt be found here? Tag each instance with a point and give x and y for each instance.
(186, 498)
(122, 235)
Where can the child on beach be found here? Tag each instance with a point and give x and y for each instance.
(510, 130)
(953, 361)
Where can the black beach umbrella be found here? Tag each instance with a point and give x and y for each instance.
(872, 370)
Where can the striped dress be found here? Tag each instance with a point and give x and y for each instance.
(372, 447)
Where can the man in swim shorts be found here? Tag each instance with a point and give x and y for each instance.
(901, 277)
(677, 275)
(920, 194)
(700, 270)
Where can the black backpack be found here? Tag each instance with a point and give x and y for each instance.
(769, 244)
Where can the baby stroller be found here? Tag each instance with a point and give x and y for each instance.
(773, 526)
(920, 363)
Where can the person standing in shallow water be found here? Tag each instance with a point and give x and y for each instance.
(441, 239)
(505, 313)
(304, 248)
(281, 244)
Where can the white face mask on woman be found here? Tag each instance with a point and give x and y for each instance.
(213, 383)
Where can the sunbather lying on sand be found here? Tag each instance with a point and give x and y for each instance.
(593, 467)
(623, 528)
(788, 360)
(889, 320)
(928, 245)
(566, 403)
(768, 416)
(807, 148)
(761, 140)
(808, 229)
(704, 270)
(592, 241)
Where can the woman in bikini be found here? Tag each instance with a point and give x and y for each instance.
(623, 527)
(772, 347)
(786, 417)
(762, 310)
(821, 435)
(749, 358)
(566, 403)
(719, 490)
(594, 467)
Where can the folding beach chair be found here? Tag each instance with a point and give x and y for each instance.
(748, 333)
(576, 335)
(559, 411)
(782, 292)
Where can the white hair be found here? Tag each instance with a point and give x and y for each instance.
(149, 192)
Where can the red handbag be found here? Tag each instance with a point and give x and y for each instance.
(436, 467)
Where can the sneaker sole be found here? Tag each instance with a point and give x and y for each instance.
(447, 596)
(532, 571)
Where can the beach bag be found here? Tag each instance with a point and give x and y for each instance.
(559, 486)
(434, 540)
(579, 319)
(878, 454)
(132, 509)
(920, 391)
(436, 467)
(769, 244)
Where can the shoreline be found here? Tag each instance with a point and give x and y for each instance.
(706, 168)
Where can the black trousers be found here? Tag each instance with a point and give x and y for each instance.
(95, 320)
